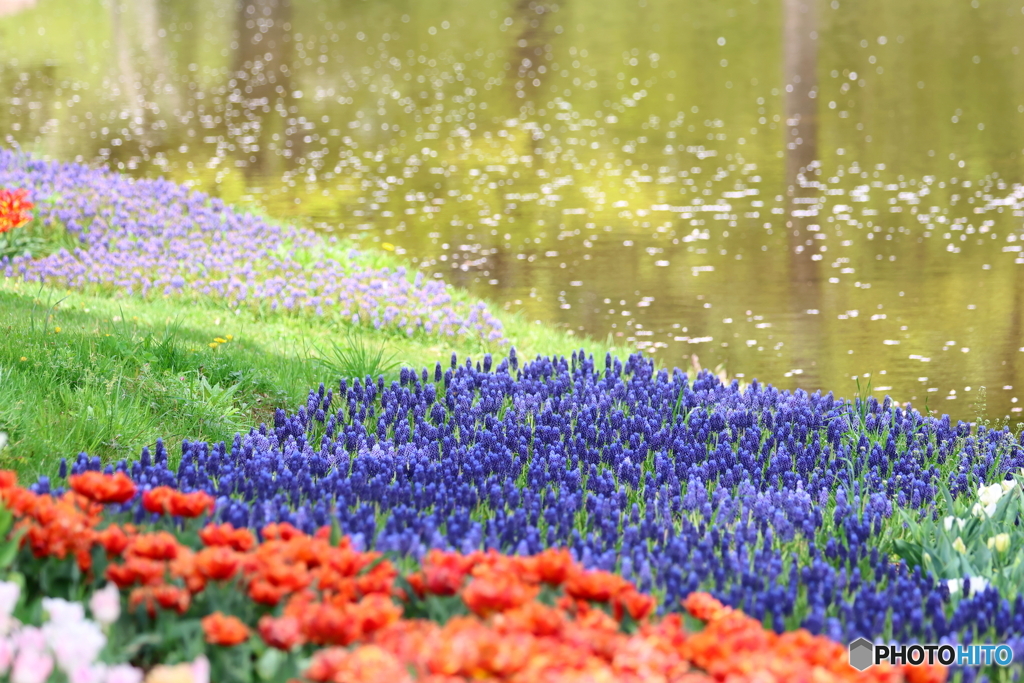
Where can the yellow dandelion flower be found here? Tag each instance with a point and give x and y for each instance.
(387, 246)
(213, 345)
(23, 359)
(230, 337)
(220, 340)
(56, 330)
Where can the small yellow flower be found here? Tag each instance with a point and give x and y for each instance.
(213, 345)
(56, 330)
(230, 337)
(220, 340)
(387, 246)
(23, 359)
(958, 545)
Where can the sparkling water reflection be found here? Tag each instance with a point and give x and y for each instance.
(805, 192)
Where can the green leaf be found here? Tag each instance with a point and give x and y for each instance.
(141, 641)
(6, 519)
(336, 533)
(9, 549)
(911, 553)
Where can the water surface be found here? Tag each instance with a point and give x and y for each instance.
(809, 193)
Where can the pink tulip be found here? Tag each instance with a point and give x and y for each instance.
(31, 666)
(6, 655)
(123, 673)
(105, 604)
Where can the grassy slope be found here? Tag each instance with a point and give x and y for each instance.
(121, 372)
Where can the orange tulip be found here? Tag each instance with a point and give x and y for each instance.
(367, 664)
(224, 630)
(265, 593)
(184, 567)
(160, 545)
(103, 488)
(330, 625)
(165, 500)
(173, 598)
(15, 209)
(217, 564)
(283, 633)
(137, 570)
(496, 593)
(192, 505)
(113, 539)
(281, 531)
(157, 500)
(553, 565)
(241, 540)
(597, 586)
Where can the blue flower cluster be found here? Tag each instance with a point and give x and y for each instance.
(153, 237)
(772, 501)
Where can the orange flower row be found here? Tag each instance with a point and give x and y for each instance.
(345, 602)
(545, 644)
(497, 583)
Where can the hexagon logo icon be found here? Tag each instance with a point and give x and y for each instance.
(862, 654)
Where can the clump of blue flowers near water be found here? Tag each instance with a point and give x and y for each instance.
(779, 503)
(157, 238)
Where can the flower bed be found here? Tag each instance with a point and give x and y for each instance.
(153, 237)
(777, 504)
(293, 605)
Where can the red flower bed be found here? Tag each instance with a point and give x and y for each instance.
(482, 616)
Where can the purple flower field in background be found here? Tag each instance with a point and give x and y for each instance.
(154, 237)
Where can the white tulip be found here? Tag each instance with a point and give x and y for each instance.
(990, 495)
(948, 522)
(987, 511)
(977, 584)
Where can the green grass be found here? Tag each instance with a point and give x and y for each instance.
(108, 376)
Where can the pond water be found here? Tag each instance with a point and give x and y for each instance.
(809, 193)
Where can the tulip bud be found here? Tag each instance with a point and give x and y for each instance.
(105, 604)
(958, 545)
(1000, 542)
(9, 594)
